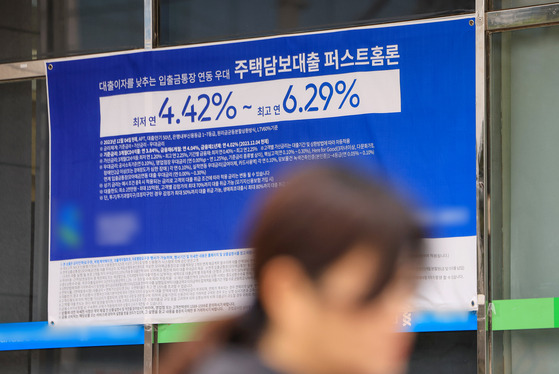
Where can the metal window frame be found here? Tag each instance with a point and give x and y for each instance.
(487, 22)
(481, 191)
(522, 18)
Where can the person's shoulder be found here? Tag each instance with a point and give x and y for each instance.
(232, 360)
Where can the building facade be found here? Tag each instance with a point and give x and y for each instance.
(517, 55)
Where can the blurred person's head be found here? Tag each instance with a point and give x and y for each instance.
(334, 265)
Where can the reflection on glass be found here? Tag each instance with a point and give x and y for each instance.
(15, 201)
(18, 30)
(23, 201)
(526, 351)
(91, 360)
(188, 21)
(56, 28)
(507, 4)
(529, 155)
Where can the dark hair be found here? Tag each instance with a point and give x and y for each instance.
(325, 212)
(318, 216)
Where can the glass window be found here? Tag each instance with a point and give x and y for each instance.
(526, 351)
(18, 30)
(524, 133)
(444, 352)
(15, 200)
(37, 29)
(56, 28)
(91, 360)
(449, 352)
(23, 201)
(190, 21)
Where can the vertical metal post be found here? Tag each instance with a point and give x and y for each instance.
(148, 20)
(151, 40)
(148, 349)
(481, 176)
(155, 350)
(151, 349)
(151, 24)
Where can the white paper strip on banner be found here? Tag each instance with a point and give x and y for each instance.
(448, 275)
(251, 103)
(169, 287)
(213, 284)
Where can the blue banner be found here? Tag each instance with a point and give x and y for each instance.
(160, 152)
